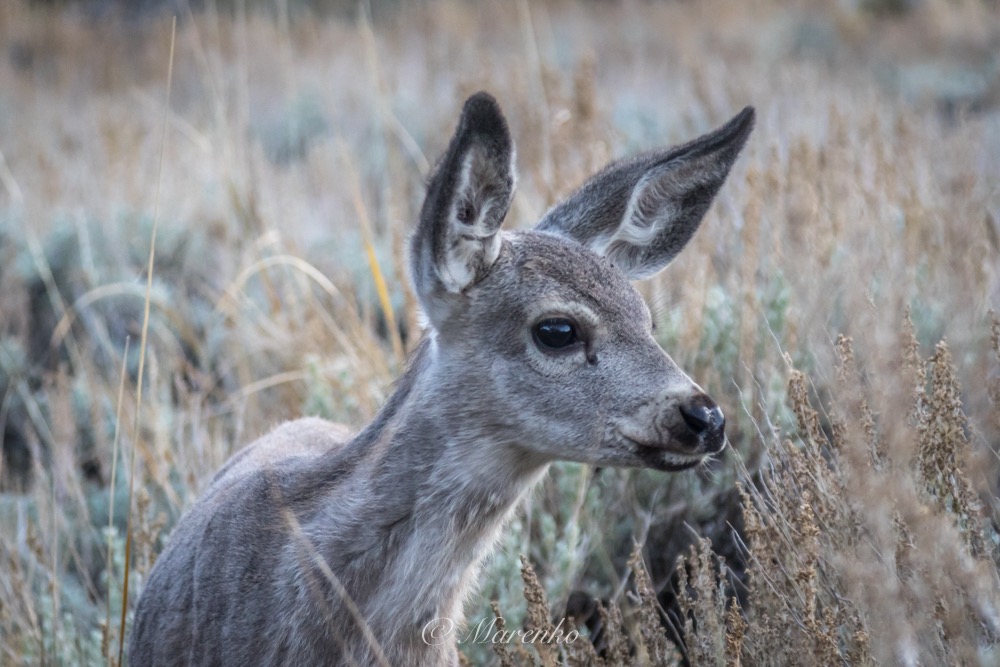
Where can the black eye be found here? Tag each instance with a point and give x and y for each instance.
(555, 333)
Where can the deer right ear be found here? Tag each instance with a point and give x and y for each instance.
(468, 196)
(640, 213)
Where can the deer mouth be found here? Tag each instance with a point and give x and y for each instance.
(660, 458)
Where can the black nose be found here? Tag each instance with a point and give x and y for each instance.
(703, 416)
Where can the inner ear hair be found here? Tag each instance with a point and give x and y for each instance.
(468, 197)
(640, 213)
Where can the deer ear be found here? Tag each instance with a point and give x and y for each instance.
(640, 213)
(468, 196)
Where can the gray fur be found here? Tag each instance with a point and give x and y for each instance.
(312, 547)
(640, 212)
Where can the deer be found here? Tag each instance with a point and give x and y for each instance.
(312, 546)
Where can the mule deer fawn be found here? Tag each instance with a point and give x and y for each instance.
(314, 547)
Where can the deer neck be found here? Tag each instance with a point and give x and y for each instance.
(438, 479)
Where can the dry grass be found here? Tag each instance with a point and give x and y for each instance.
(857, 234)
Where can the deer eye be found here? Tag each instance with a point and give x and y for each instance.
(555, 333)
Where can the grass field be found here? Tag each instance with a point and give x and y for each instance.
(836, 302)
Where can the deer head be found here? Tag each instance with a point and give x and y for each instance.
(538, 337)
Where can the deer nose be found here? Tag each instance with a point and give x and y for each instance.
(705, 420)
(701, 418)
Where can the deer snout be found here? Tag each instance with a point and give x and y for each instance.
(705, 422)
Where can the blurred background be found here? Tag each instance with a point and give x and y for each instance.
(284, 170)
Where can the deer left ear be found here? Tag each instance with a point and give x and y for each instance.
(640, 213)
(468, 197)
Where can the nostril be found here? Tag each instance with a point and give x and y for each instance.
(701, 417)
(697, 417)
